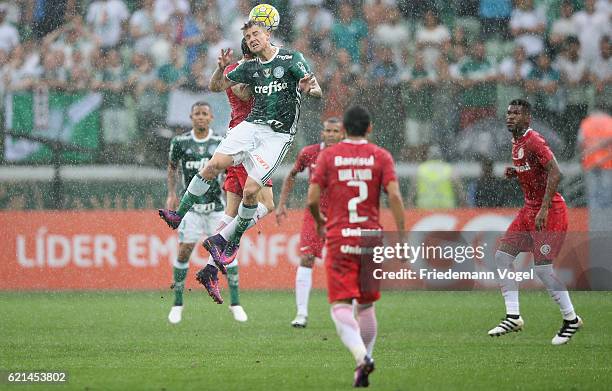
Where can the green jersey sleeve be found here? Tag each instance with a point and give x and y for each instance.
(299, 68)
(240, 74)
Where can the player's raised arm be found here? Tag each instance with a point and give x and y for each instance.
(219, 82)
(554, 177)
(396, 204)
(242, 91)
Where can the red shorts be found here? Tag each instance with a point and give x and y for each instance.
(349, 276)
(544, 245)
(310, 242)
(235, 179)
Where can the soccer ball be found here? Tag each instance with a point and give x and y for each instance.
(266, 14)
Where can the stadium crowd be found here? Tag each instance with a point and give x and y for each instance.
(428, 70)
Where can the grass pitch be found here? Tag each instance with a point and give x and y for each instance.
(426, 341)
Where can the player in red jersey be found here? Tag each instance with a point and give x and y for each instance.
(353, 173)
(311, 243)
(241, 102)
(539, 227)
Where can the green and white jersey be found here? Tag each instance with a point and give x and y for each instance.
(192, 154)
(274, 84)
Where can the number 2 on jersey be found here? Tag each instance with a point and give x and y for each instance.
(353, 202)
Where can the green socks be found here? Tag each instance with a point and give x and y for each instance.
(180, 273)
(232, 282)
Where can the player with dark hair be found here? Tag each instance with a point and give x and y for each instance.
(311, 243)
(353, 173)
(539, 227)
(190, 151)
(277, 77)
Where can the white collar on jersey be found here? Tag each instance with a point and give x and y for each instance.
(270, 60)
(358, 142)
(201, 140)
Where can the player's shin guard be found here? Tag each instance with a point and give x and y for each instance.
(197, 187)
(509, 287)
(303, 283)
(232, 282)
(557, 290)
(180, 273)
(368, 326)
(348, 330)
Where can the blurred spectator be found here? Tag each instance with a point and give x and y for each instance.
(350, 32)
(575, 81)
(215, 42)
(417, 91)
(315, 22)
(142, 26)
(394, 32)
(490, 191)
(415, 9)
(197, 80)
(54, 74)
(513, 70)
(4, 77)
(591, 26)
(111, 82)
(431, 36)
(166, 9)
(174, 74)
(563, 27)
(542, 85)
(79, 79)
(162, 42)
(437, 186)
(375, 12)
(13, 12)
(106, 18)
(147, 88)
(9, 37)
(48, 15)
(23, 69)
(494, 17)
(444, 121)
(194, 36)
(528, 25)
(478, 76)
(70, 37)
(601, 72)
(337, 82)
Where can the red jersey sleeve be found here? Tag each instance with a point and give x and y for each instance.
(540, 150)
(300, 162)
(320, 175)
(388, 168)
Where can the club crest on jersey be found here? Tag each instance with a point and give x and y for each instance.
(278, 72)
(520, 153)
(545, 249)
(266, 72)
(201, 150)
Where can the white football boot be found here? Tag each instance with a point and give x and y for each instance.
(239, 314)
(567, 331)
(506, 326)
(300, 321)
(176, 314)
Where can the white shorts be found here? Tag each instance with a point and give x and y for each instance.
(195, 225)
(260, 149)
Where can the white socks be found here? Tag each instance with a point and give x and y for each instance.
(303, 283)
(198, 185)
(509, 287)
(557, 290)
(348, 330)
(366, 317)
(230, 228)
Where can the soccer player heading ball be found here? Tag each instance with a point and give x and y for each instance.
(353, 173)
(278, 78)
(539, 227)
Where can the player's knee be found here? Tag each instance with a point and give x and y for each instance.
(307, 261)
(249, 193)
